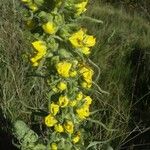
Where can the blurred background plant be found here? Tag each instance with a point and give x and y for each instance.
(122, 53)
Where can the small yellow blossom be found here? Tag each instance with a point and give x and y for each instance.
(73, 73)
(63, 101)
(36, 58)
(80, 7)
(79, 96)
(87, 73)
(35, 64)
(73, 103)
(59, 128)
(77, 38)
(49, 28)
(82, 41)
(50, 120)
(63, 68)
(85, 50)
(40, 46)
(69, 127)
(76, 138)
(54, 146)
(54, 108)
(89, 41)
(86, 85)
(88, 100)
(62, 86)
(83, 112)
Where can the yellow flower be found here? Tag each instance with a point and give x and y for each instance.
(35, 64)
(80, 7)
(63, 68)
(54, 146)
(77, 38)
(36, 58)
(50, 120)
(63, 101)
(40, 46)
(76, 138)
(73, 73)
(69, 127)
(89, 41)
(79, 96)
(59, 128)
(54, 108)
(85, 50)
(72, 103)
(88, 100)
(62, 86)
(86, 85)
(83, 112)
(82, 41)
(49, 28)
(87, 74)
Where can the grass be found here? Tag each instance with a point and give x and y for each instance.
(123, 42)
(12, 69)
(118, 38)
(19, 92)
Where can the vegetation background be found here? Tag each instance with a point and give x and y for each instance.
(123, 55)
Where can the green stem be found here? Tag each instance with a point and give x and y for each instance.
(91, 19)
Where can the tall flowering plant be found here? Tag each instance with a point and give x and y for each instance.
(59, 51)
